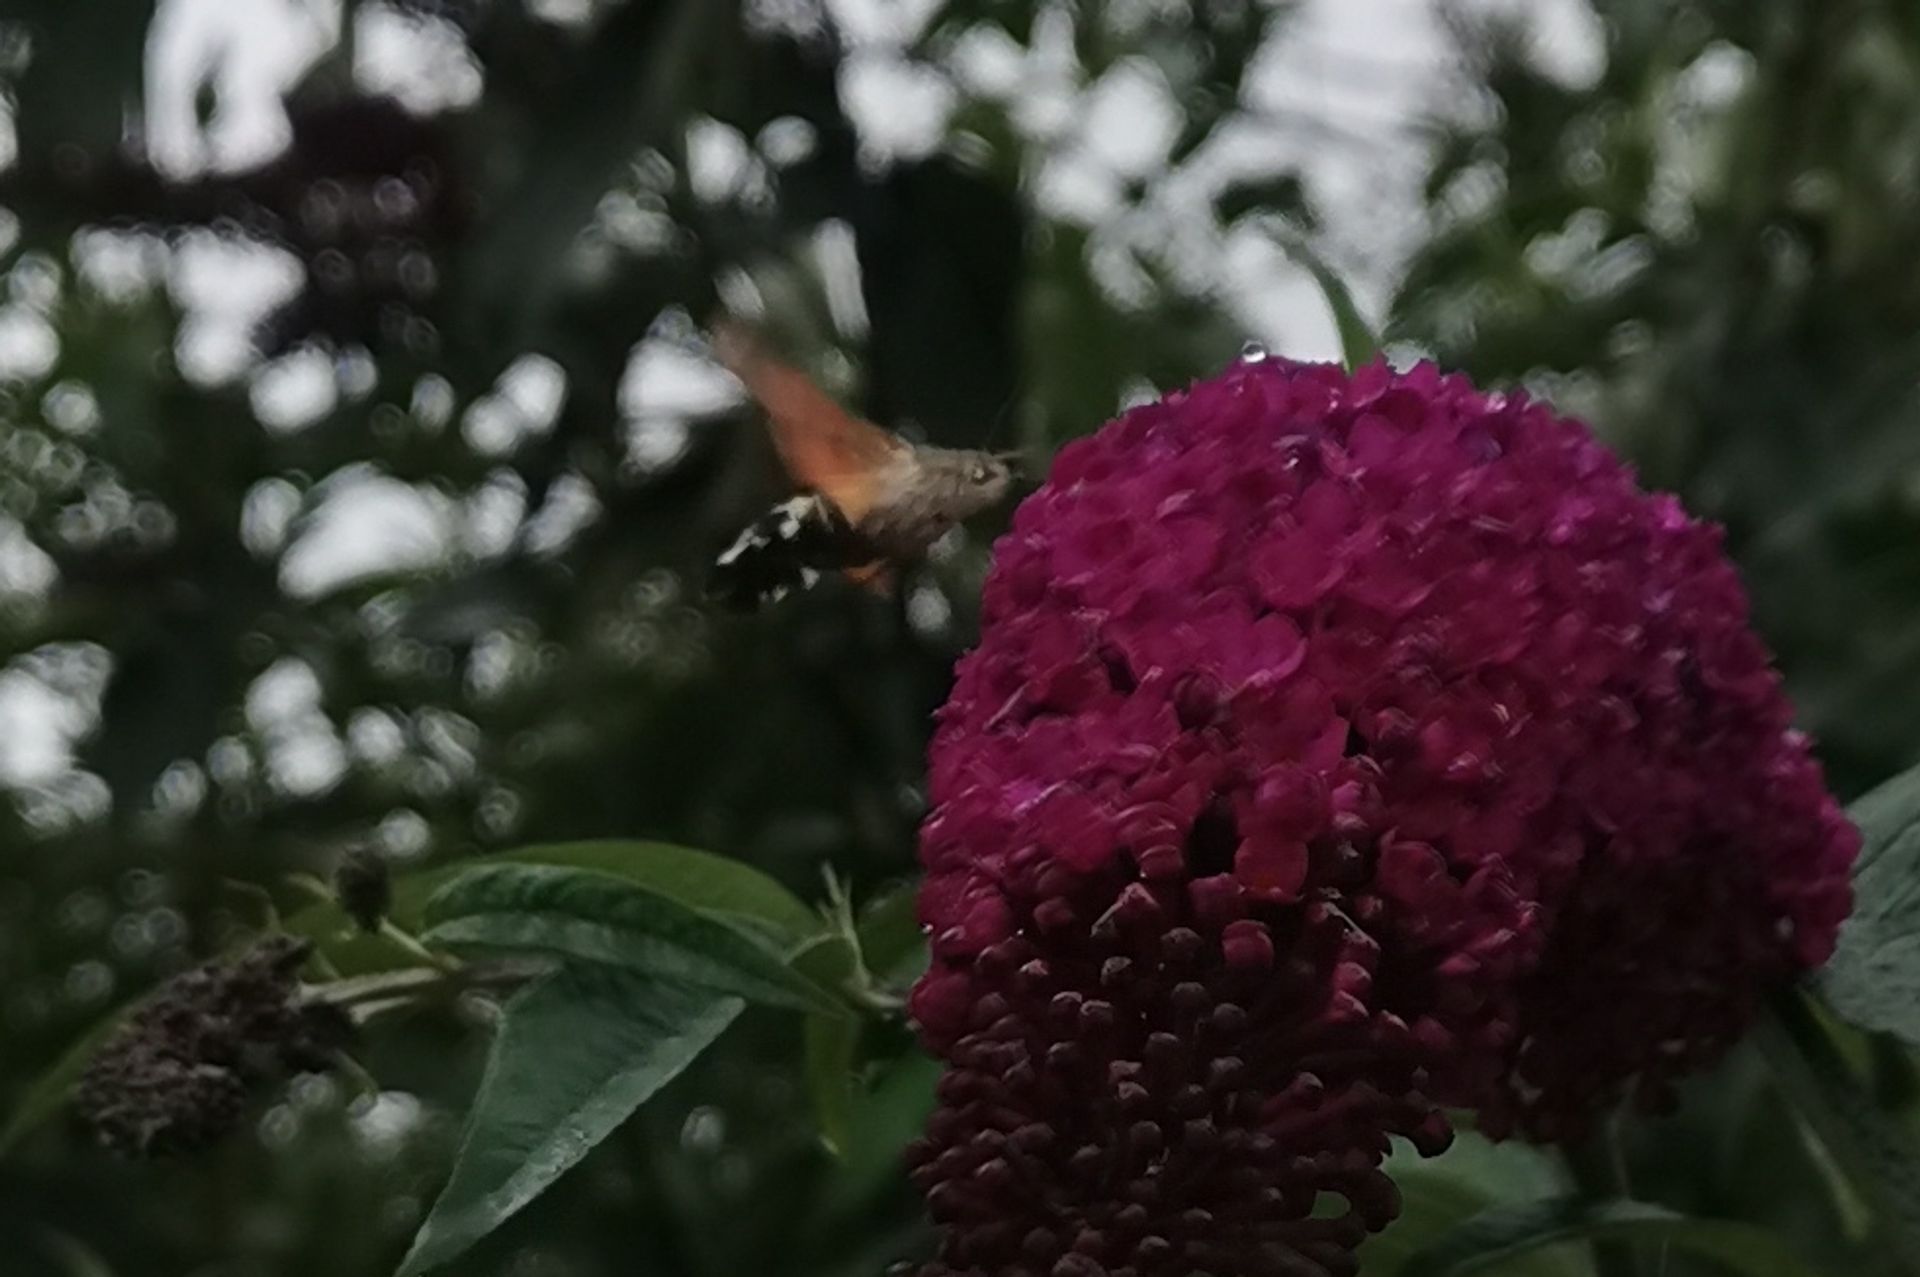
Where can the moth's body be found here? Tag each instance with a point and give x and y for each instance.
(924, 493)
(869, 501)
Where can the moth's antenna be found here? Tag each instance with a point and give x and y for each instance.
(1001, 417)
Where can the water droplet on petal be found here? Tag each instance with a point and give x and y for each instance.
(1253, 352)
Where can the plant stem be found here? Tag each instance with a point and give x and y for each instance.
(388, 929)
(877, 1001)
(406, 940)
(355, 1072)
(368, 995)
(1598, 1164)
(324, 965)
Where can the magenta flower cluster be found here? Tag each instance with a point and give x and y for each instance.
(1337, 748)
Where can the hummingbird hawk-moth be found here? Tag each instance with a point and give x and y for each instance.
(869, 502)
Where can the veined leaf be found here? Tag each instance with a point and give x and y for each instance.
(540, 1110)
(719, 885)
(587, 916)
(1871, 1145)
(1439, 1194)
(1503, 1233)
(1873, 979)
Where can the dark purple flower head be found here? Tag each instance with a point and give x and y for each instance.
(1337, 747)
(176, 1075)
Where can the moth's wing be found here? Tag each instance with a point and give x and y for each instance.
(824, 447)
(783, 550)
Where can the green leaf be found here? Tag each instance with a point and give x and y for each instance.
(1359, 344)
(891, 942)
(1873, 979)
(886, 1116)
(735, 892)
(1872, 1146)
(539, 1110)
(49, 1091)
(831, 1043)
(828, 960)
(1438, 1194)
(588, 916)
(887, 951)
(698, 879)
(1503, 1233)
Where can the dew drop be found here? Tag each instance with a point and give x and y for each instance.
(1252, 353)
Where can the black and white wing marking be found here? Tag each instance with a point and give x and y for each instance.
(784, 550)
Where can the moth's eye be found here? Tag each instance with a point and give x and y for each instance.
(981, 474)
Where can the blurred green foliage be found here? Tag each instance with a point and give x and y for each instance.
(1706, 252)
(1709, 250)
